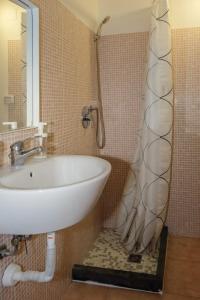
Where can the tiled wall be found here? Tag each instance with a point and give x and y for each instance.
(68, 82)
(123, 60)
(184, 209)
(122, 76)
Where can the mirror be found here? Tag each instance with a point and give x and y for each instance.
(19, 65)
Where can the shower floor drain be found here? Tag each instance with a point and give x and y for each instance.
(108, 263)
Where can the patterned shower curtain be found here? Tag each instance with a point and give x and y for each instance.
(143, 209)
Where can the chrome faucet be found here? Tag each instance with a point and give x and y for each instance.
(18, 154)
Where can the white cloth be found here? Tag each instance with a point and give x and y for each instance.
(143, 209)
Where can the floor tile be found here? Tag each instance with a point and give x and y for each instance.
(176, 297)
(86, 292)
(108, 252)
(184, 248)
(182, 277)
(91, 292)
(121, 294)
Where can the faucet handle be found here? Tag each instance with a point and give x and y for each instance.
(17, 146)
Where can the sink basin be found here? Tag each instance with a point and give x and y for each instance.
(50, 194)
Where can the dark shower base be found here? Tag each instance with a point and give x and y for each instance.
(126, 279)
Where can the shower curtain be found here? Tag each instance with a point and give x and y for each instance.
(143, 209)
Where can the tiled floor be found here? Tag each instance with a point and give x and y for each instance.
(182, 278)
(109, 253)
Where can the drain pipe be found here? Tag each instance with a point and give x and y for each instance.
(13, 273)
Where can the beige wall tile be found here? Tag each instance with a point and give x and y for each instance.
(123, 58)
(68, 82)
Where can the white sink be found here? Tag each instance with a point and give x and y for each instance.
(46, 195)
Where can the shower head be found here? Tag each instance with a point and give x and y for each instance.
(98, 34)
(106, 19)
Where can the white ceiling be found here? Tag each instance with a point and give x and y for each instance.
(86, 10)
(131, 15)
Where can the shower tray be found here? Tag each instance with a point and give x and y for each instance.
(107, 264)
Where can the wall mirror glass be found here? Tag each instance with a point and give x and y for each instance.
(19, 65)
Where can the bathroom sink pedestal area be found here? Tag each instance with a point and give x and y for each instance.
(108, 269)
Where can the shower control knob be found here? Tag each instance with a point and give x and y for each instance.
(86, 122)
(86, 118)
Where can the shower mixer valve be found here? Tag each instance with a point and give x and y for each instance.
(86, 115)
(86, 118)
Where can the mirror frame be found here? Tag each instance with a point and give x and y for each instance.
(33, 68)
